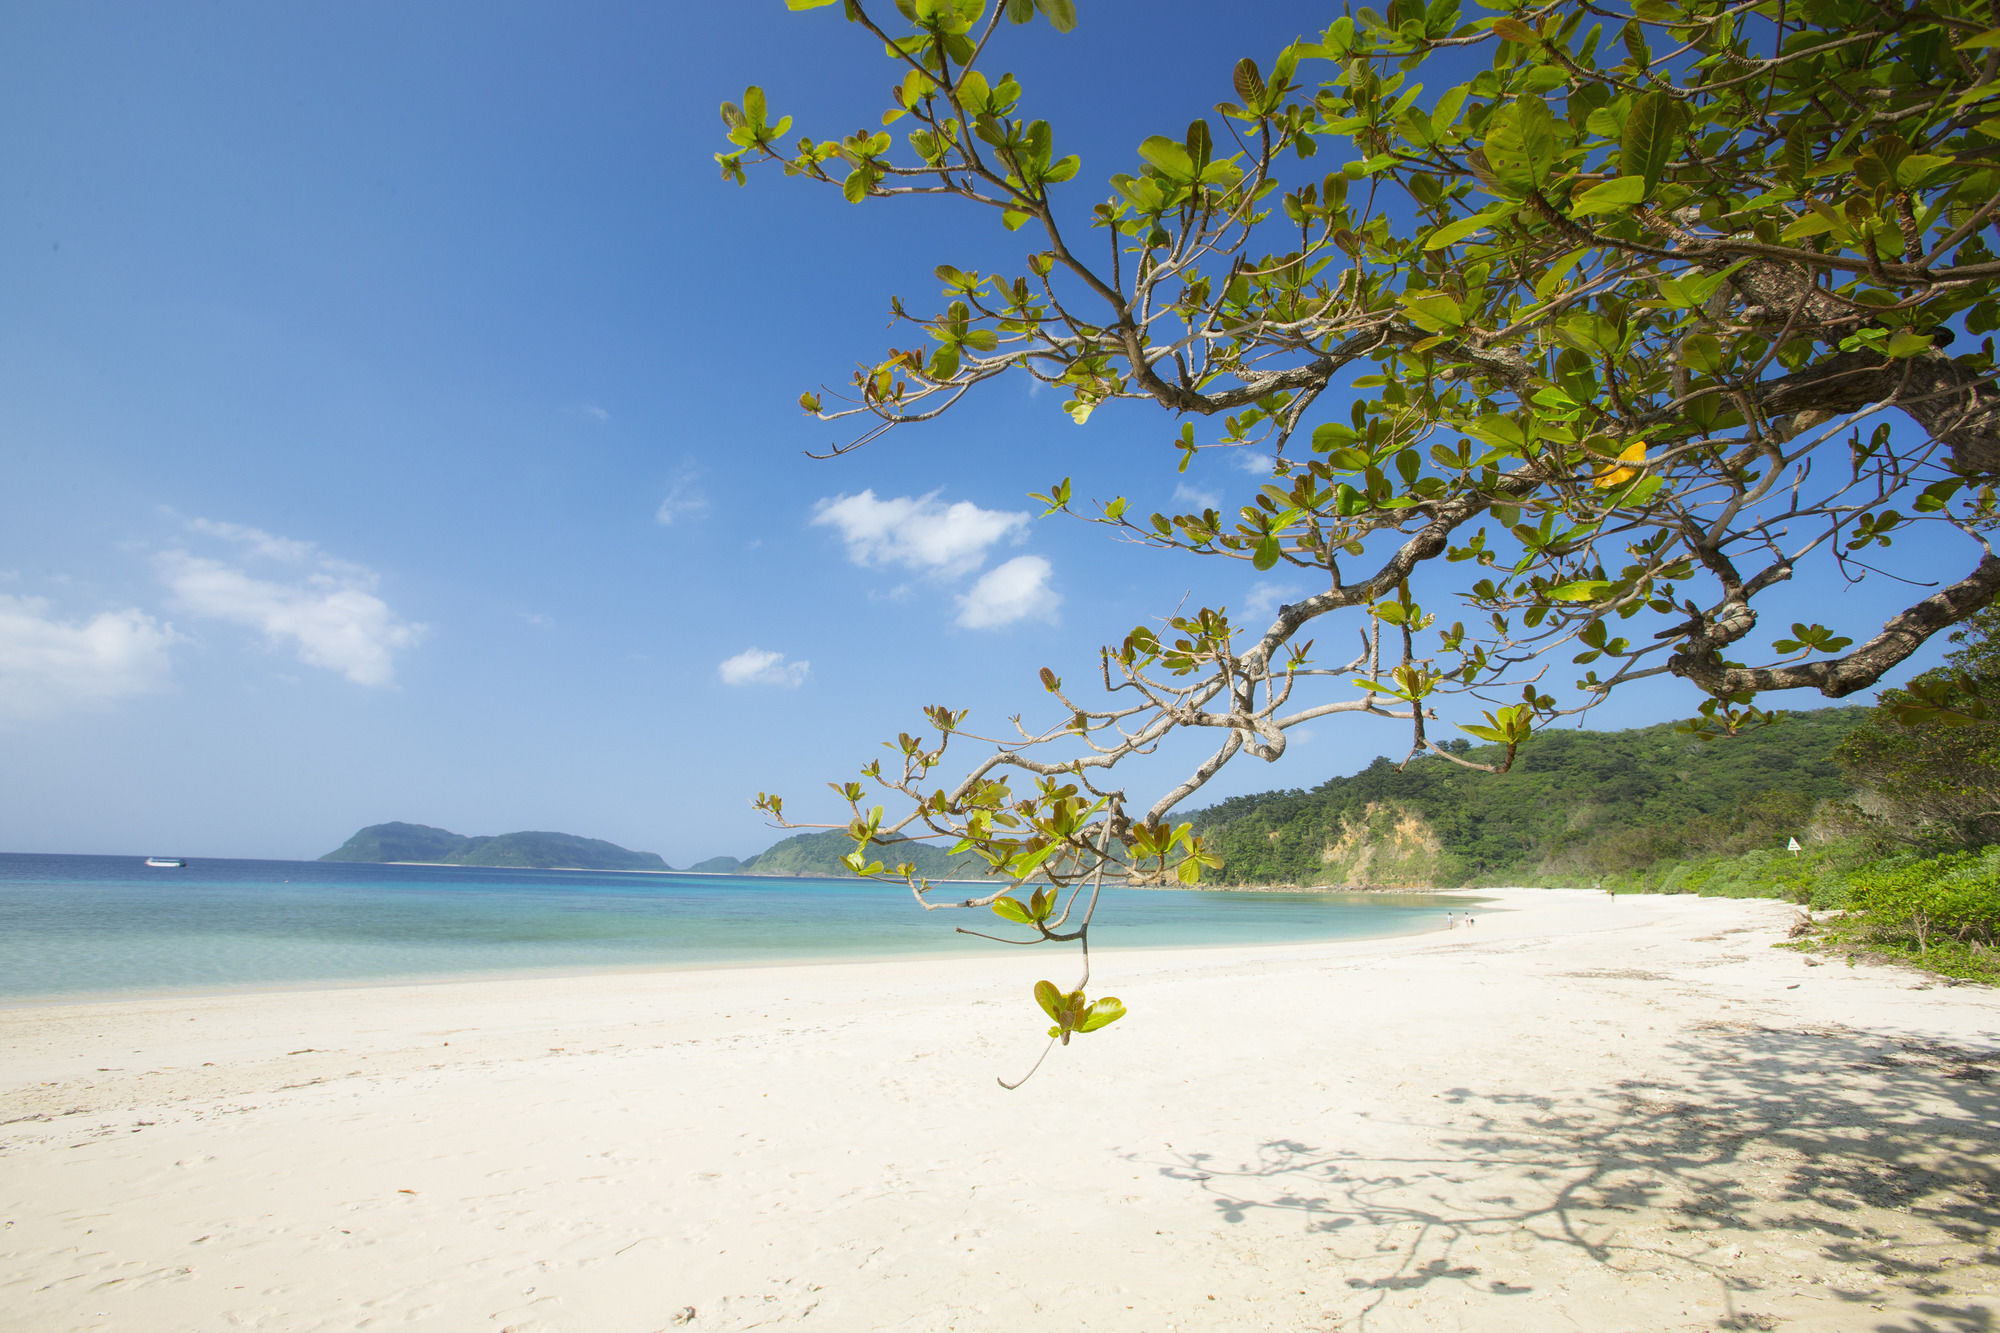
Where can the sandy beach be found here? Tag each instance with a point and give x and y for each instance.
(1578, 1114)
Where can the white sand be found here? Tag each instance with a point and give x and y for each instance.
(1578, 1114)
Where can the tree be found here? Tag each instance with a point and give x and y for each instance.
(1668, 299)
(1931, 750)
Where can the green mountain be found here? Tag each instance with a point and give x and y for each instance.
(398, 842)
(717, 865)
(1576, 805)
(819, 854)
(534, 851)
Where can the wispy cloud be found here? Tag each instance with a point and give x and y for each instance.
(50, 666)
(255, 541)
(594, 412)
(325, 611)
(1264, 600)
(1196, 497)
(1006, 593)
(1254, 461)
(684, 497)
(918, 532)
(757, 666)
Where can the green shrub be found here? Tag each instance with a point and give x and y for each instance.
(1954, 897)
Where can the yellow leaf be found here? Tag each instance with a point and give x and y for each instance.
(1618, 476)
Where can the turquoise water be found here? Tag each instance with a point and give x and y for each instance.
(87, 924)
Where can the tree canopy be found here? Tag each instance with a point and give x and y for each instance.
(1574, 330)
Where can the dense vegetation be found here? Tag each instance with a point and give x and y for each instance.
(1576, 807)
(533, 851)
(1896, 807)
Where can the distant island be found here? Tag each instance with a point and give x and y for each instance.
(805, 855)
(818, 856)
(532, 851)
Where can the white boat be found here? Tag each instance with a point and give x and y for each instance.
(166, 862)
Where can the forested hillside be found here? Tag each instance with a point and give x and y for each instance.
(819, 854)
(1576, 805)
(537, 851)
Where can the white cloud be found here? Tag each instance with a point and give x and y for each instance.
(756, 666)
(1254, 461)
(684, 499)
(1009, 592)
(255, 540)
(329, 616)
(50, 666)
(1200, 499)
(595, 413)
(1264, 600)
(917, 532)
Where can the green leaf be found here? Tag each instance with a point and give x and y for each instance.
(1047, 996)
(1906, 343)
(1559, 271)
(1102, 1013)
(1914, 169)
(1701, 353)
(1610, 197)
(974, 93)
(1171, 158)
(1648, 142)
(1432, 312)
(1249, 84)
(1588, 590)
(807, 4)
(1453, 232)
(1638, 492)
(1811, 224)
(1267, 552)
(1200, 144)
(1061, 14)
(1521, 144)
(1445, 114)
(1011, 909)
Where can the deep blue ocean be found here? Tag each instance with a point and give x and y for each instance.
(93, 924)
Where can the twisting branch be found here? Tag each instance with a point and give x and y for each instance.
(1574, 358)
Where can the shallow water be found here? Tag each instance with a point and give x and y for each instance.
(85, 924)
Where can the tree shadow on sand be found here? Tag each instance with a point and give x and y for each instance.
(1849, 1168)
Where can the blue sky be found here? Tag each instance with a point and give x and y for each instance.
(400, 423)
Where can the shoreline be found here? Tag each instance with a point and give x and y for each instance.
(1580, 1114)
(576, 971)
